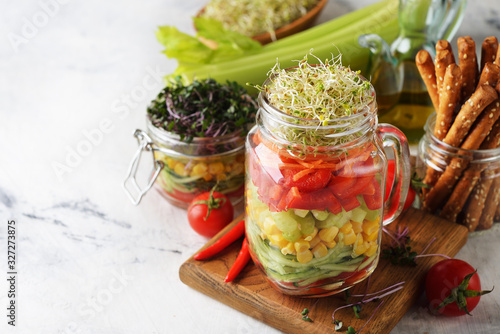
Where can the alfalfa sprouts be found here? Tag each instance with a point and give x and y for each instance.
(318, 95)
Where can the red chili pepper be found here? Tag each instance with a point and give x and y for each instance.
(240, 263)
(232, 235)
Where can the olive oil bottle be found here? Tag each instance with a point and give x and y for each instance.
(409, 109)
(402, 97)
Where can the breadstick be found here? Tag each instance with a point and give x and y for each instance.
(443, 59)
(442, 45)
(470, 110)
(459, 194)
(448, 101)
(467, 61)
(497, 57)
(493, 138)
(428, 74)
(444, 186)
(474, 210)
(482, 127)
(489, 50)
(490, 75)
(475, 206)
(497, 214)
(448, 98)
(490, 207)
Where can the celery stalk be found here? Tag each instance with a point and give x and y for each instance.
(345, 21)
(326, 40)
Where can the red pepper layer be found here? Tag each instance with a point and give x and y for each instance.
(309, 186)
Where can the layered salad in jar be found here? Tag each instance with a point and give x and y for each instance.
(314, 175)
(199, 132)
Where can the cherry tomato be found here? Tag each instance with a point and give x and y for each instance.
(209, 213)
(410, 197)
(445, 276)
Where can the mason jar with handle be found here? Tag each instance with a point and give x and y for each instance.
(314, 213)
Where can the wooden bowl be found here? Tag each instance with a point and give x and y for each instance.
(296, 26)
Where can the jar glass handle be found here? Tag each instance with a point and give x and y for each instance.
(134, 192)
(393, 138)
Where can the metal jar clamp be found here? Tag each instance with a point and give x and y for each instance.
(145, 145)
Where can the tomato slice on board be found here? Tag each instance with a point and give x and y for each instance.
(312, 180)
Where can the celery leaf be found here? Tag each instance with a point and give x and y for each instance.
(183, 47)
(211, 44)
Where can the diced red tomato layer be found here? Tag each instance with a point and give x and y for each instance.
(317, 184)
(315, 180)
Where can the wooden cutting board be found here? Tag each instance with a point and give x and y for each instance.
(251, 294)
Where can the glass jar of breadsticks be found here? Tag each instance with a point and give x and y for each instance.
(459, 155)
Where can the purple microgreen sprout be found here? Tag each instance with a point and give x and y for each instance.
(357, 310)
(371, 316)
(383, 290)
(202, 109)
(400, 238)
(399, 253)
(305, 312)
(429, 255)
(357, 305)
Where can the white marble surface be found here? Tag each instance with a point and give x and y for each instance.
(89, 261)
